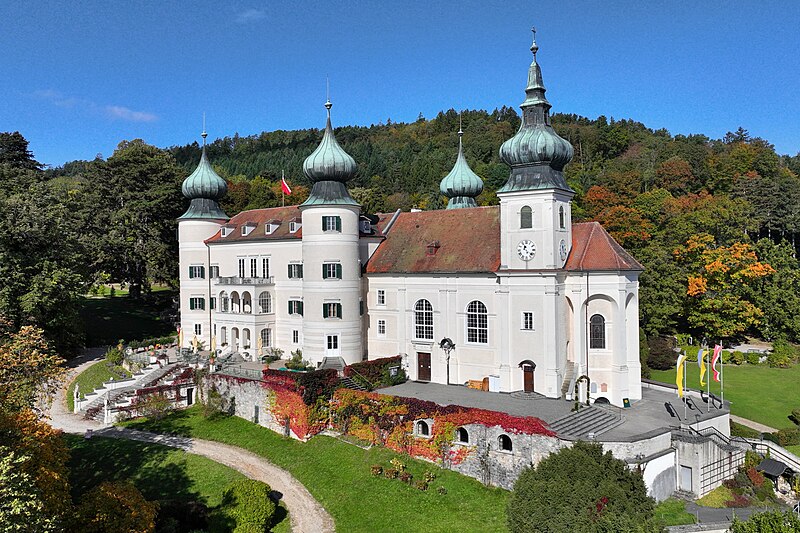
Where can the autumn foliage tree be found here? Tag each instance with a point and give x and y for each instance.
(115, 506)
(30, 370)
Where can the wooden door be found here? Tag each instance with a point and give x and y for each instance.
(423, 366)
(527, 373)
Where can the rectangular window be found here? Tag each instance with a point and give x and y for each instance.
(381, 297)
(331, 310)
(214, 271)
(295, 307)
(266, 338)
(361, 308)
(331, 223)
(381, 328)
(197, 272)
(241, 267)
(198, 329)
(527, 320)
(212, 303)
(197, 303)
(295, 271)
(295, 336)
(293, 226)
(253, 267)
(331, 271)
(265, 267)
(333, 342)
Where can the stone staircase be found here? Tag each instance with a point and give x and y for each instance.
(568, 386)
(336, 363)
(350, 383)
(593, 419)
(94, 410)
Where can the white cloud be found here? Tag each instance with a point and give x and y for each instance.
(250, 15)
(114, 112)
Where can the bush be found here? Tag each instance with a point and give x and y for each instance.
(114, 356)
(214, 405)
(740, 430)
(422, 485)
(176, 515)
(644, 354)
(390, 473)
(788, 437)
(753, 358)
(115, 506)
(441, 490)
(406, 477)
(737, 358)
(155, 406)
(783, 355)
(662, 352)
(795, 416)
(767, 522)
(317, 384)
(738, 500)
(376, 470)
(246, 508)
(297, 362)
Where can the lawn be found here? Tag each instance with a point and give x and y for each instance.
(160, 472)
(93, 377)
(338, 475)
(756, 392)
(794, 449)
(672, 512)
(107, 319)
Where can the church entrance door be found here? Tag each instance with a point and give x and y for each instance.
(423, 366)
(527, 378)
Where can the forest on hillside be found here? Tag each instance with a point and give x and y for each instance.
(714, 221)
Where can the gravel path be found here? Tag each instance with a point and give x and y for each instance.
(754, 425)
(305, 513)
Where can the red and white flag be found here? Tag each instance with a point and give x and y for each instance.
(714, 360)
(285, 186)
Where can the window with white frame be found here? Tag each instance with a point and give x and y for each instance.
(253, 267)
(331, 271)
(293, 226)
(295, 270)
(527, 320)
(197, 302)
(198, 329)
(423, 320)
(224, 301)
(266, 338)
(597, 332)
(381, 328)
(331, 310)
(477, 323)
(381, 297)
(265, 267)
(264, 302)
(333, 342)
(197, 271)
(296, 307)
(241, 267)
(214, 271)
(295, 336)
(332, 223)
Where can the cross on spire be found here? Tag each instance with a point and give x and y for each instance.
(534, 46)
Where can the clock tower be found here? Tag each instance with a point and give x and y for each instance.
(536, 222)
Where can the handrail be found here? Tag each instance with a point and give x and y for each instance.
(372, 386)
(776, 450)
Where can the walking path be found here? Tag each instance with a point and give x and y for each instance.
(305, 513)
(754, 425)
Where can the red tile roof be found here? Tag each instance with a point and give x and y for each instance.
(594, 249)
(260, 217)
(469, 241)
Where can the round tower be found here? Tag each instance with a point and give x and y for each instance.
(461, 186)
(331, 267)
(201, 220)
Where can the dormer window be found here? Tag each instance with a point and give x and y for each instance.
(226, 230)
(433, 247)
(366, 227)
(294, 225)
(271, 226)
(247, 228)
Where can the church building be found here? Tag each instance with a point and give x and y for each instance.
(516, 293)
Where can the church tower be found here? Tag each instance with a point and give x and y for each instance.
(202, 220)
(331, 267)
(535, 201)
(461, 186)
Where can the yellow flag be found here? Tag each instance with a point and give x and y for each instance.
(213, 344)
(679, 374)
(180, 337)
(702, 369)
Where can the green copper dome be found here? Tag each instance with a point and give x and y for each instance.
(536, 154)
(204, 187)
(461, 185)
(329, 167)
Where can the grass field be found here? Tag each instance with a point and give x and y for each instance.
(756, 392)
(160, 472)
(672, 512)
(794, 449)
(338, 475)
(107, 320)
(93, 377)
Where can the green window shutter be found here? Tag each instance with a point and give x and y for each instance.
(324, 271)
(191, 303)
(202, 303)
(338, 310)
(338, 271)
(290, 271)
(290, 306)
(323, 223)
(301, 271)
(338, 223)
(361, 307)
(202, 272)
(324, 311)
(299, 308)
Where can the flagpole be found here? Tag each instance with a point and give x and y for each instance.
(283, 199)
(684, 388)
(721, 380)
(709, 378)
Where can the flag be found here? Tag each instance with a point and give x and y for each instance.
(195, 343)
(701, 360)
(679, 374)
(180, 337)
(285, 186)
(714, 360)
(213, 344)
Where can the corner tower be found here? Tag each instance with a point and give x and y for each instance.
(201, 220)
(535, 201)
(461, 186)
(331, 267)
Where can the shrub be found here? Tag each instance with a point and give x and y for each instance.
(756, 477)
(738, 500)
(246, 507)
(429, 476)
(390, 473)
(376, 373)
(297, 362)
(441, 490)
(406, 477)
(155, 406)
(753, 358)
(176, 515)
(422, 485)
(740, 430)
(398, 465)
(376, 470)
(795, 416)
(317, 384)
(115, 506)
(114, 356)
(789, 437)
(767, 521)
(737, 358)
(644, 354)
(214, 405)
(783, 354)
(662, 352)
(751, 459)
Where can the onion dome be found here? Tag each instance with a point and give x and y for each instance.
(204, 187)
(461, 185)
(329, 167)
(536, 154)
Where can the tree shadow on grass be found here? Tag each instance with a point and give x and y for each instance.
(175, 423)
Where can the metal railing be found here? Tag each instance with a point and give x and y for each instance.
(242, 372)
(237, 280)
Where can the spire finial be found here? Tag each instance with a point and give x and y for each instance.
(534, 46)
(460, 131)
(328, 104)
(204, 134)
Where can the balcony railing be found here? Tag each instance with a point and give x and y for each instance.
(236, 280)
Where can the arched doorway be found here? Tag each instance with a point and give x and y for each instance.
(528, 367)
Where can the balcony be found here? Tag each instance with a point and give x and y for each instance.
(236, 280)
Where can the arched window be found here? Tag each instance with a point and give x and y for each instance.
(477, 323)
(423, 429)
(505, 443)
(597, 332)
(247, 303)
(525, 218)
(462, 436)
(562, 223)
(264, 302)
(225, 303)
(423, 320)
(236, 304)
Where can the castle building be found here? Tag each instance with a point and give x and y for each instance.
(522, 295)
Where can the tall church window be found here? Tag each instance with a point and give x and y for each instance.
(597, 332)
(477, 323)
(562, 219)
(526, 218)
(423, 320)
(264, 302)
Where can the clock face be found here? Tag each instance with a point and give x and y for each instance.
(526, 250)
(562, 249)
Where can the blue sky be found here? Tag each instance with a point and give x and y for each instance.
(78, 77)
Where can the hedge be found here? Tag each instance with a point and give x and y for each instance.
(376, 372)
